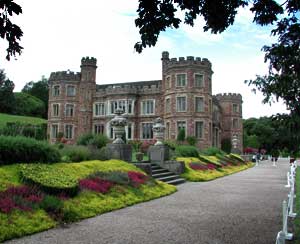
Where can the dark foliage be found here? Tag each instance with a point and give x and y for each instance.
(7, 99)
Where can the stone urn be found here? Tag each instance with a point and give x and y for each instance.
(118, 124)
(158, 131)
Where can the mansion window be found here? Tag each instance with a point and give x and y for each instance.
(235, 108)
(55, 91)
(99, 109)
(55, 110)
(168, 82)
(180, 80)
(181, 104)
(181, 125)
(69, 110)
(68, 131)
(125, 105)
(235, 123)
(168, 105)
(99, 129)
(199, 80)
(199, 104)
(168, 130)
(54, 131)
(147, 132)
(71, 91)
(148, 107)
(129, 131)
(199, 129)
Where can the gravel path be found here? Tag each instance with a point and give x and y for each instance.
(244, 208)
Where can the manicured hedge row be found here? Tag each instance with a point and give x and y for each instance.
(26, 150)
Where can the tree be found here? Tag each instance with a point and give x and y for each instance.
(7, 100)
(9, 31)
(40, 90)
(28, 105)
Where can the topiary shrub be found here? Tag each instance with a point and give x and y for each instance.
(98, 141)
(52, 204)
(213, 151)
(186, 151)
(26, 150)
(76, 153)
(171, 144)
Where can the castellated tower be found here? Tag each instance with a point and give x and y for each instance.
(87, 90)
(70, 102)
(187, 98)
(232, 124)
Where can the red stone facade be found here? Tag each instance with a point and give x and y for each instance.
(183, 98)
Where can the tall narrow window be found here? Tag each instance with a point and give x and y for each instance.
(199, 80)
(181, 104)
(147, 132)
(99, 109)
(55, 110)
(71, 91)
(99, 129)
(168, 82)
(199, 104)
(199, 129)
(147, 107)
(168, 130)
(181, 125)
(55, 91)
(180, 80)
(210, 131)
(235, 108)
(129, 131)
(168, 105)
(235, 123)
(54, 131)
(69, 110)
(129, 107)
(68, 131)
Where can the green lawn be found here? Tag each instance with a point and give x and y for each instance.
(4, 118)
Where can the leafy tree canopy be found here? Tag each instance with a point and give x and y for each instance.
(29, 105)
(40, 90)
(7, 100)
(9, 31)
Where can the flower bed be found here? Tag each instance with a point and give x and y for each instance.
(102, 186)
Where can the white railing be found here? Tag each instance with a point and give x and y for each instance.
(288, 208)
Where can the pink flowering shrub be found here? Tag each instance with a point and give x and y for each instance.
(96, 184)
(197, 166)
(137, 178)
(19, 197)
(146, 144)
(211, 166)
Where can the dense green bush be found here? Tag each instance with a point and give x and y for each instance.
(26, 150)
(90, 139)
(191, 140)
(136, 145)
(52, 204)
(171, 144)
(98, 154)
(181, 135)
(186, 151)
(73, 153)
(212, 151)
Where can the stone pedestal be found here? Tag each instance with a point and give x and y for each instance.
(158, 154)
(120, 151)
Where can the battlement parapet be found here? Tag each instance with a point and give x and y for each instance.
(88, 61)
(65, 76)
(188, 61)
(129, 89)
(228, 96)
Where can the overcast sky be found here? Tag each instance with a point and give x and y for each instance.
(58, 33)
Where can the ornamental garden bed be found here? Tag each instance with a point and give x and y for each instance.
(205, 168)
(36, 197)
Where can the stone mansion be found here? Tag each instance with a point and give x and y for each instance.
(183, 98)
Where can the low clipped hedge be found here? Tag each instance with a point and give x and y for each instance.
(50, 179)
(26, 150)
(186, 151)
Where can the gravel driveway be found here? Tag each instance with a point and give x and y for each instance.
(242, 208)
